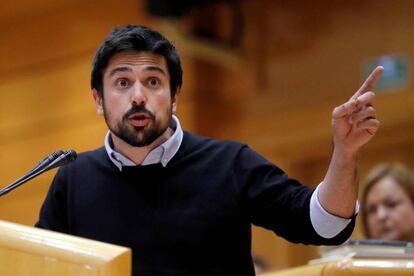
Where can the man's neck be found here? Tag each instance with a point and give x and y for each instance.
(138, 154)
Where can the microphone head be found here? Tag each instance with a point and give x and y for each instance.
(71, 155)
(47, 160)
(65, 158)
(55, 154)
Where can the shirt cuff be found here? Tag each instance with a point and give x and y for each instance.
(324, 223)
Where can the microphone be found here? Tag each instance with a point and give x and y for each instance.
(53, 160)
(47, 160)
(62, 159)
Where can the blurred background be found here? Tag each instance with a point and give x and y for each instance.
(266, 73)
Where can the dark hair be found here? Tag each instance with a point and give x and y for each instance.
(135, 38)
(402, 176)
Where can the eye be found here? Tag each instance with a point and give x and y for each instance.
(391, 204)
(371, 209)
(153, 82)
(122, 83)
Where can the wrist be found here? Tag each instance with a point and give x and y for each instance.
(345, 153)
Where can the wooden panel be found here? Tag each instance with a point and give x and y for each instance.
(345, 267)
(29, 251)
(65, 30)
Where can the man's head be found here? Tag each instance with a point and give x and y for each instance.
(135, 38)
(136, 78)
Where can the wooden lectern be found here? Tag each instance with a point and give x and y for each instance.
(27, 251)
(352, 266)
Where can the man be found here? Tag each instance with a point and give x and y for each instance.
(184, 203)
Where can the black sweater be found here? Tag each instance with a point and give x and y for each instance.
(192, 217)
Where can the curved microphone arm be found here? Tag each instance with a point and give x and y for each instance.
(53, 160)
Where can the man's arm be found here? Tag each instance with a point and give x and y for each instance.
(353, 124)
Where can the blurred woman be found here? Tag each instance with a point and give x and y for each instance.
(388, 203)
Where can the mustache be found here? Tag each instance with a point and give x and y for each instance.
(138, 109)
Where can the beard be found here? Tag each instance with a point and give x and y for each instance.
(138, 136)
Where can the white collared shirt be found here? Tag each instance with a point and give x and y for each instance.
(161, 154)
(324, 223)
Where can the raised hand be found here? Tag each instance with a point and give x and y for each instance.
(354, 123)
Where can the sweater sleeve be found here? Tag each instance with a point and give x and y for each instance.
(53, 213)
(276, 202)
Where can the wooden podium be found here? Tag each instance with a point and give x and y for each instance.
(352, 266)
(31, 251)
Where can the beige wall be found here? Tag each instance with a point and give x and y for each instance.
(298, 60)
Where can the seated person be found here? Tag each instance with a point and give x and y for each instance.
(388, 203)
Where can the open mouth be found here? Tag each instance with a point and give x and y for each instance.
(139, 119)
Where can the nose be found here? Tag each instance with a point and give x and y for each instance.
(138, 96)
(382, 212)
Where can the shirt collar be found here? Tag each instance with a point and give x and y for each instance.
(161, 154)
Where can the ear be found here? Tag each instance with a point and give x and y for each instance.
(98, 102)
(174, 101)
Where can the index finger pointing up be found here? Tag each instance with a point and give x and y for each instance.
(370, 82)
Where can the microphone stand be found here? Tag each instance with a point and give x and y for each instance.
(53, 160)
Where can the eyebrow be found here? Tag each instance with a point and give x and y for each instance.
(127, 69)
(119, 69)
(155, 68)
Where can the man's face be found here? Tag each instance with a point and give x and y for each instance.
(136, 103)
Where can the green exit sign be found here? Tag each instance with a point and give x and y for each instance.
(395, 74)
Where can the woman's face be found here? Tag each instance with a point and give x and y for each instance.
(390, 212)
